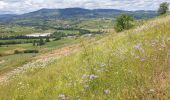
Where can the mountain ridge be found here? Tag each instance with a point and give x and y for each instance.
(67, 13)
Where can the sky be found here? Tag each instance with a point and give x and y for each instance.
(24, 6)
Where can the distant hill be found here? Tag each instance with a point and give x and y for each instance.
(69, 13)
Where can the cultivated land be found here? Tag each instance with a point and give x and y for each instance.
(133, 64)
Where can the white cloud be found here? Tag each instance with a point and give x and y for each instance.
(22, 6)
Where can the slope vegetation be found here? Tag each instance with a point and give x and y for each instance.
(130, 65)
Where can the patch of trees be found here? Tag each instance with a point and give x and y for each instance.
(84, 31)
(65, 28)
(16, 42)
(17, 37)
(40, 42)
(37, 42)
(58, 35)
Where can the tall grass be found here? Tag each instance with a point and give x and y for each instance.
(130, 65)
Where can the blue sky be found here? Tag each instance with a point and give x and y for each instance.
(23, 6)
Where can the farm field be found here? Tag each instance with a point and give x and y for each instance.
(12, 61)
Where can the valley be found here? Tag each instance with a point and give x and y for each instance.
(85, 54)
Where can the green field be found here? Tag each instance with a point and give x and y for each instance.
(13, 61)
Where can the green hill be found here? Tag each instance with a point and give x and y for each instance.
(71, 13)
(131, 65)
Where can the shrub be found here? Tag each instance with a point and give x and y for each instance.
(41, 42)
(47, 39)
(163, 8)
(123, 22)
(31, 51)
(17, 52)
(58, 35)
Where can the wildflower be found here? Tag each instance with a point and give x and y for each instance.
(86, 86)
(62, 96)
(137, 46)
(84, 76)
(142, 59)
(93, 77)
(103, 65)
(85, 81)
(163, 45)
(106, 91)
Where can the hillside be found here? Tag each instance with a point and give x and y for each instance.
(130, 65)
(73, 13)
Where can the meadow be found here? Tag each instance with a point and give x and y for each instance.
(131, 65)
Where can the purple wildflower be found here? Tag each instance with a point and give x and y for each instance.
(137, 46)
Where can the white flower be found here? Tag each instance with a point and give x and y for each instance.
(86, 86)
(62, 96)
(103, 65)
(93, 77)
(107, 91)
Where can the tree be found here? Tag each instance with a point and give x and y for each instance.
(34, 43)
(58, 35)
(41, 42)
(163, 8)
(47, 39)
(123, 22)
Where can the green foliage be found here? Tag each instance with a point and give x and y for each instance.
(58, 35)
(25, 51)
(41, 42)
(123, 22)
(34, 43)
(47, 39)
(163, 8)
(17, 52)
(31, 51)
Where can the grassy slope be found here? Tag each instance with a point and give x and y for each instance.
(130, 65)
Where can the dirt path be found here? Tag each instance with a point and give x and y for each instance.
(41, 61)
